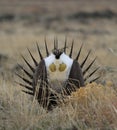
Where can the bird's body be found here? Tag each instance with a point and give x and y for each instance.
(58, 70)
(56, 75)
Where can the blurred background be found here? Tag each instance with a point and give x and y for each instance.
(25, 22)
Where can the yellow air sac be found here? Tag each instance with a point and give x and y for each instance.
(62, 67)
(52, 67)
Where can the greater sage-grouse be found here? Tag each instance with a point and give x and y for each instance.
(56, 76)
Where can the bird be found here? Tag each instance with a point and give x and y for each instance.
(55, 76)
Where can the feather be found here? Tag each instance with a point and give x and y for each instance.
(82, 64)
(33, 70)
(26, 72)
(24, 79)
(47, 52)
(65, 46)
(88, 76)
(25, 86)
(71, 51)
(94, 79)
(78, 55)
(35, 62)
(27, 92)
(41, 57)
(56, 43)
(89, 66)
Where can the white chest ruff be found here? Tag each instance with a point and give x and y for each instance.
(57, 78)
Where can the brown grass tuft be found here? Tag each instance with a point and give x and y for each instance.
(91, 107)
(95, 105)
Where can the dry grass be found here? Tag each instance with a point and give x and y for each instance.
(92, 107)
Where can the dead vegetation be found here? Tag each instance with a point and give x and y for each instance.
(91, 107)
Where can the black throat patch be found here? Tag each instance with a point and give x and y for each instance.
(57, 53)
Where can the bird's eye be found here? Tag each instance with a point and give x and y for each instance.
(62, 67)
(52, 67)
